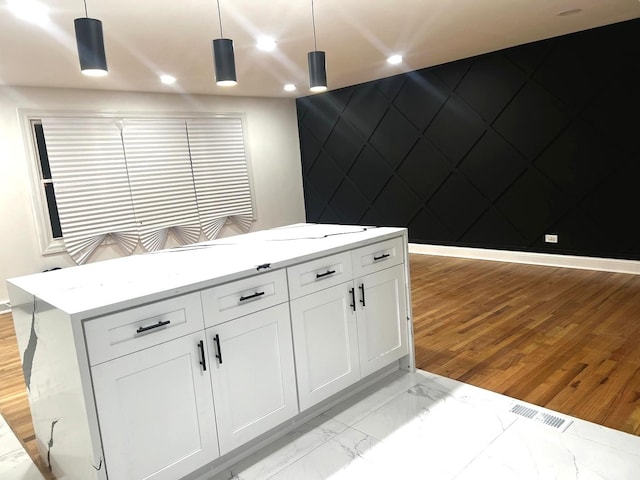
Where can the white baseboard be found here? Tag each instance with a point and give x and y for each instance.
(5, 306)
(531, 258)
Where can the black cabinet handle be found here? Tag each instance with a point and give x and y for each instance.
(328, 272)
(353, 298)
(216, 339)
(203, 359)
(249, 297)
(384, 255)
(361, 287)
(151, 327)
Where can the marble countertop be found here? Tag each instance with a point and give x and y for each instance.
(98, 288)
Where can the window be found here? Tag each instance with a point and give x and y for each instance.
(45, 208)
(46, 181)
(135, 181)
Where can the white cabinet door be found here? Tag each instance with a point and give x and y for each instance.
(155, 410)
(382, 318)
(253, 375)
(326, 343)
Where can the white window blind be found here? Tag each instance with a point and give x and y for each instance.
(162, 187)
(220, 173)
(91, 184)
(137, 180)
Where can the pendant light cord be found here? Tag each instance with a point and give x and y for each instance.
(219, 18)
(85, 9)
(313, 19)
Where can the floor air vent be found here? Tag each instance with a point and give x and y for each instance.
(541, 417)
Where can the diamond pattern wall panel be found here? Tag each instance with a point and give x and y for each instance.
(493, 224)
(421, 98)
(396, 204)
(344, 144)
(574, 161)
(424, 169)
(370, 172)
(348, 203)
(490, 84)
(530, 204)
(365, 109)
(492, 151)
(394, 137)
(493, 165)
(457, 204)
(614, 111)
(532, 120)
(573, 73)
(455, 129)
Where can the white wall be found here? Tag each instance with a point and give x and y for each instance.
(272, 135)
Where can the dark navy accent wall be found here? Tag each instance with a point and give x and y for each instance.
(492, 151)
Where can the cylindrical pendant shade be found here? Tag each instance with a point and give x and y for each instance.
(224, 62)
(93, 60)
(317, 71)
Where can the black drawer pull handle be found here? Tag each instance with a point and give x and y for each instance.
(248, 297)
(203, 359)
(353, 299)
(362, 292)
(151, 327)
(384, 255)
(216, 340)
(322, 275)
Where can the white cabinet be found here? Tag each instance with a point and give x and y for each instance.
(154, 366)
(156, 412)
(134, 329)
(382, 318)
(326, 343)
(242, 297)
(346, 332)
(251, 365)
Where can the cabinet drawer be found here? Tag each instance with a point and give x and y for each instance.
(131, 330)
(319, 274)
(378, 256)
(242, 297)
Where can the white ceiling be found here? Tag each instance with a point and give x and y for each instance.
(144, 38)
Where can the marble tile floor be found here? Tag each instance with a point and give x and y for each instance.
(15, 463)
(421, 426)
(424, 426)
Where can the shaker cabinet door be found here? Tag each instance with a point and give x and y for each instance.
(155, 411)
(382, 318)
(252, 372)
(325, 342)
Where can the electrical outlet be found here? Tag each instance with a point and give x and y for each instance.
(551, 238)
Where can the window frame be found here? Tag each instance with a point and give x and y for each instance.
(49, 245)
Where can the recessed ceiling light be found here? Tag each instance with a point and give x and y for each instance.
(566, 13)
(167, 79)
(29, 10)
(266, 44)
(394, 59)
(290, 87)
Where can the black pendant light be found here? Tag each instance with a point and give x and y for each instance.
(223, 59)
(93, 61)
(317, 63)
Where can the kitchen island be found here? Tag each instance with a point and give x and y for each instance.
(177, 363)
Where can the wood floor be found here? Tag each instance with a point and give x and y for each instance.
(561, 338)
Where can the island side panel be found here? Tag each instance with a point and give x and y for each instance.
(408, 362)
(48, 351)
